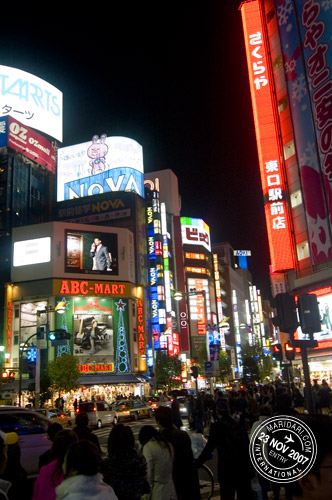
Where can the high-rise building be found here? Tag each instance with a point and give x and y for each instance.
(289, 56)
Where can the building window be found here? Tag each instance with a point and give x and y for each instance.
(296, 198)
(289, 149)
(302, 250)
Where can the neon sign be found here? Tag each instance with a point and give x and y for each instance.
(93, 368)
(82, 287)
(141, 335)
(272, 179)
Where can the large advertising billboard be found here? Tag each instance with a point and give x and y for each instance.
(195, 232)
(105, 164)
(28, 142)
(271, 169)
(91, 252)
(305, 33)
(31, 100)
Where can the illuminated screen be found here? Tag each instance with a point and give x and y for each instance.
(276, 211)
(31, 252)
(105, 164)
(195, 232)
(325, 309)
(31, 100)
(91, 252)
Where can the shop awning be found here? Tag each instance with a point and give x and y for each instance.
(112, 379)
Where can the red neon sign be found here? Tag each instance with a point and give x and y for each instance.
(272, 178)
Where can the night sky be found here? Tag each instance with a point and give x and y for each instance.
(174, 78)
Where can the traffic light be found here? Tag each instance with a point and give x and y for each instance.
(8, 376)
(40, 333)
(309, 313)
(276, 352)
(59, 334)
(286, 319)
(289, 351)
(194, 371)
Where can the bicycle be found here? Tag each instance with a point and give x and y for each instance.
(206, 482)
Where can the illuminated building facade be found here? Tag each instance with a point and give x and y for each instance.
(289, 56)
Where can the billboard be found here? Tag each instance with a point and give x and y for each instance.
(105, 164)
(305, 35)
(271, 169)
(28, 252)
(195, 232)
(324, 298)
(36, 103)
(91, 252)
(28, 142)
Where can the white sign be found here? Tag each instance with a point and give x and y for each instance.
(105, 164)
(31, 100)
(30, 252)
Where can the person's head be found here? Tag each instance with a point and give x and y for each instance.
(82, 457)
(317, 484)
(53, 429)
(62, 441)
(146, 433)
(164, 417)
(121, 440)
(97, 241)
(82, 419)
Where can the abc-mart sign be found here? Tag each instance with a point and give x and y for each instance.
(105, 164)
(31, 100)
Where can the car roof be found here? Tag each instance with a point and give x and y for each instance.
(16, 408)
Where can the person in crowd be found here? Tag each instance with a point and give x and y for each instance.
(51, 475)
(159, 456)
(5, 440)
(317, 484)
(125, 469)
(83, 430)
(185, 474)
(175, 405)
(232, 443)
(83, 479)
(191, 409)
(199, 413)
(45, 458)
(21, 487)
(324, 397)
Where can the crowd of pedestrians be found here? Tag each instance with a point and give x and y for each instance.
(161, 464)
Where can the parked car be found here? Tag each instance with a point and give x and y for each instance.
(132, 409)
(56, 415)
(99, 413)
(31, 428)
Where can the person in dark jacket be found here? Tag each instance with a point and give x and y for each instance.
(83, 430)
(125, 469)
(185, 476)
(235, 470)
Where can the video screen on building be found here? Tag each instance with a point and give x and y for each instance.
(325, 309)
(91, 253)
(28, 252)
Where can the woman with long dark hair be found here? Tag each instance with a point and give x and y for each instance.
(125, 468)
(51, 475)
(159, 456)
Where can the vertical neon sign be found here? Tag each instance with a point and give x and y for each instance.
(272, 178)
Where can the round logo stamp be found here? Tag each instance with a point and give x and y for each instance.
(283, 449)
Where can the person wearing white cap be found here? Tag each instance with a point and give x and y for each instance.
(5, 439)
